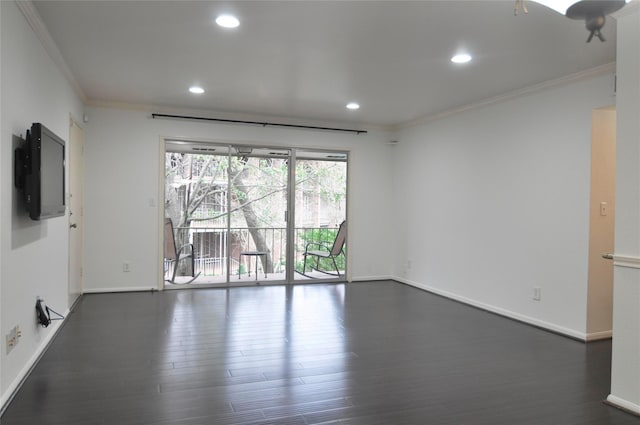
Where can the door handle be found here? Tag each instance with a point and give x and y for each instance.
(73, 225)
(607, 256)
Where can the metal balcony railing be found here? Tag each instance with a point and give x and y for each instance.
(212, 247)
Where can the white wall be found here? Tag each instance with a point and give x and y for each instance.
(33, 254)
(122, 164)
(494, 201)
(625, 368)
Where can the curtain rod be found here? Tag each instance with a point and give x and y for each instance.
(262, 123)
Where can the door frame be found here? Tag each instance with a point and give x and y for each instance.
(75, 163)
(290, 238)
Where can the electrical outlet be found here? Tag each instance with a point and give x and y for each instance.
(126, 266)
(10, 342)
(12, 338)
(537, 293)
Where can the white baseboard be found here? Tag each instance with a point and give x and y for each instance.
(497, 310)
(13, 388)
(149, 288)
(623, 404)
(366, 278)
(121, 289)
(596, 336)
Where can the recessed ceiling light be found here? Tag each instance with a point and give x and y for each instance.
(196, 90)
(461, 58)
(353, 105)
(227, 21)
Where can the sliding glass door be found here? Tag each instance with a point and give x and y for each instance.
(238, 215)
(320, 215)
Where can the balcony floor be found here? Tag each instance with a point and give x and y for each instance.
(244, 279)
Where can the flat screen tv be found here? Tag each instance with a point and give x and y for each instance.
(43, 172)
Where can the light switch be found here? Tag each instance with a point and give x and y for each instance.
(603, 208)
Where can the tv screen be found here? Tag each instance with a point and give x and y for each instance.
(44, 179)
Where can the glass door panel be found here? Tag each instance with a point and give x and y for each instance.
(320, 209)
(196, 202)
(258, 178)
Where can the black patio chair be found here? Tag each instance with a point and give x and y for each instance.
(323, 250)
(173, 257)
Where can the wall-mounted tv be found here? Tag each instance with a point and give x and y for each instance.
(39, 172)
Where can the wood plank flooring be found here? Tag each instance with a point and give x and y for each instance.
(362, 353)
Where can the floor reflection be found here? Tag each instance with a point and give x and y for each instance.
(264, 343)
(364, 353)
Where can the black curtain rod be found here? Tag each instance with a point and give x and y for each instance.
(264, 124)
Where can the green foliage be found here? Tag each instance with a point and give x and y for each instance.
(324, 237)
(318, 235)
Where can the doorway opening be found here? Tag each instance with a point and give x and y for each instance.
(601, 224)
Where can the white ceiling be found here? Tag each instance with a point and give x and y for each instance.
(307, 59)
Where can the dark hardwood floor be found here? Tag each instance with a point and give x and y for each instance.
(361, 353)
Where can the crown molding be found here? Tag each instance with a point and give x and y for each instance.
(40, 29)
(220, 114)
(609, 68)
